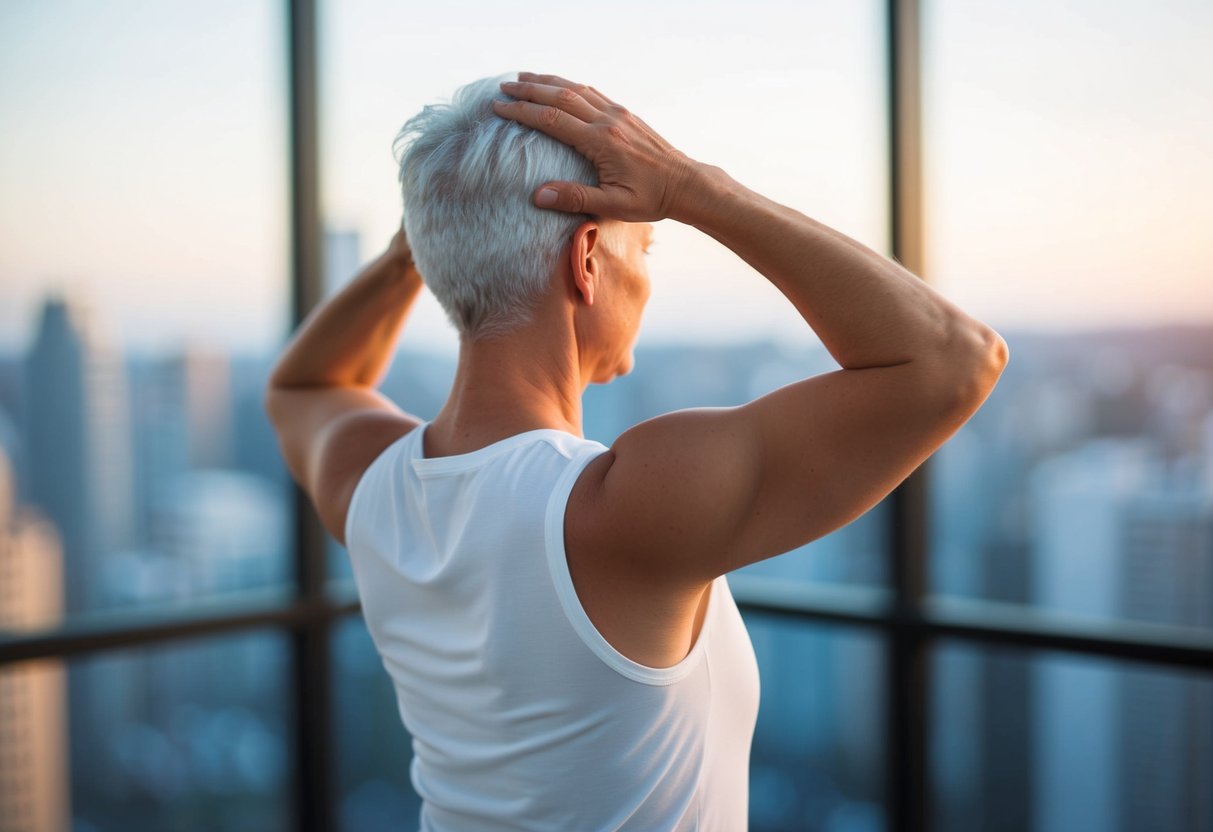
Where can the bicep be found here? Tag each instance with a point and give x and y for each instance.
(716, 490)
(329, 437)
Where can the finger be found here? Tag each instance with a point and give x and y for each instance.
(548, 119)
(565, 98)
(588, 93)
(605, 100)
(575, 198)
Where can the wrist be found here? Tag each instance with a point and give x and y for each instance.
(399, 254)
(394, 271)
(700, 193)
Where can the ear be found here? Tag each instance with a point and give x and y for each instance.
(583, 254)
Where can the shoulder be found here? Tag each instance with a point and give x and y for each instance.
(346, 453)
(665, 496)
(329, 437)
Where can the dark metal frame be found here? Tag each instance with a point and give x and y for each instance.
(909, 621)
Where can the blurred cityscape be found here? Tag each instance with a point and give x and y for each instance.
(1084, 485)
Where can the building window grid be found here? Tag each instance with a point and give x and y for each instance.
(909, 621)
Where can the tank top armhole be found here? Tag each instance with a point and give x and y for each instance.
(576, 615)
(367, 475)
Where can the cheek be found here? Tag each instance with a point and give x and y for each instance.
(643, 287)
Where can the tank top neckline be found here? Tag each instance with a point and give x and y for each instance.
(472, 459)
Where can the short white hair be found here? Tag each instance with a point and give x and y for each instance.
(467, 177)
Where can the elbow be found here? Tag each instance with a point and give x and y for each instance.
(967, 368)
(989, 357)
(997, 347)
(994, 354)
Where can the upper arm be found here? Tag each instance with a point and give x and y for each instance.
(329, 436)
(703, 492)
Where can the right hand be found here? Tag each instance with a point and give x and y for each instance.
(641, 177)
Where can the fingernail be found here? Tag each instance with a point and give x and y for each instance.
(546, 198)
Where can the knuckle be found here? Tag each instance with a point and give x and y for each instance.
(567, 96)
(549, 116)
(577, 197)
(620, 111)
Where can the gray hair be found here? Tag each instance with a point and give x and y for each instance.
(467, 176)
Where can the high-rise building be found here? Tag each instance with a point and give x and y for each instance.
(78, 471)
(1077, 501)
(206, 397)
(1121, 747)
(184, 419)
(77, 429)
(1167, 576)
(34, 791)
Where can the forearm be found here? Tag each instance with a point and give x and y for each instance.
(868, 310)
(349, 340)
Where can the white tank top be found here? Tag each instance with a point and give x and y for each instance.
(522, 715)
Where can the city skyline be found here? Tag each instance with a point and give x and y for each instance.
(1087, 489)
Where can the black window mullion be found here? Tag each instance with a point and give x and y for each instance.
(313, 780)
(907, 694)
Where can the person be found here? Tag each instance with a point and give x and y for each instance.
(554, 613)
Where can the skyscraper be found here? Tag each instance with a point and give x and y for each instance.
(184, 419)
(78, 470)
(1166, 719)
(78, 432)
(33, 714)
(1121, 747)
(1077, 504)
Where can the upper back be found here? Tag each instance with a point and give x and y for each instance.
(503, 680)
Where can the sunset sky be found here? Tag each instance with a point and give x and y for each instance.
(1069, 178)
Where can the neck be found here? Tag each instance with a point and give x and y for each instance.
(528, 379)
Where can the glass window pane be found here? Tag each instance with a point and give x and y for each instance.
(181, 737)
(143, 285)
(817, 762)
(796, 111)
(1054, 742)
(1069, 197)
(373, 748)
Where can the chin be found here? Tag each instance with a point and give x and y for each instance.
(622, 369)
(626, 365)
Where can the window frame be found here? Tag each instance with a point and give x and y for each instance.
(909, 621)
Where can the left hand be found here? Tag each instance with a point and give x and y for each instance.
(641, 176)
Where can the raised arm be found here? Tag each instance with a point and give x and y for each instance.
(330, 420)
(704, 492)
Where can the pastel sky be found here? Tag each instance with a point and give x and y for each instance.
(1069, 183)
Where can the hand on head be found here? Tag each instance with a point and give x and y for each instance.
(641, 177)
